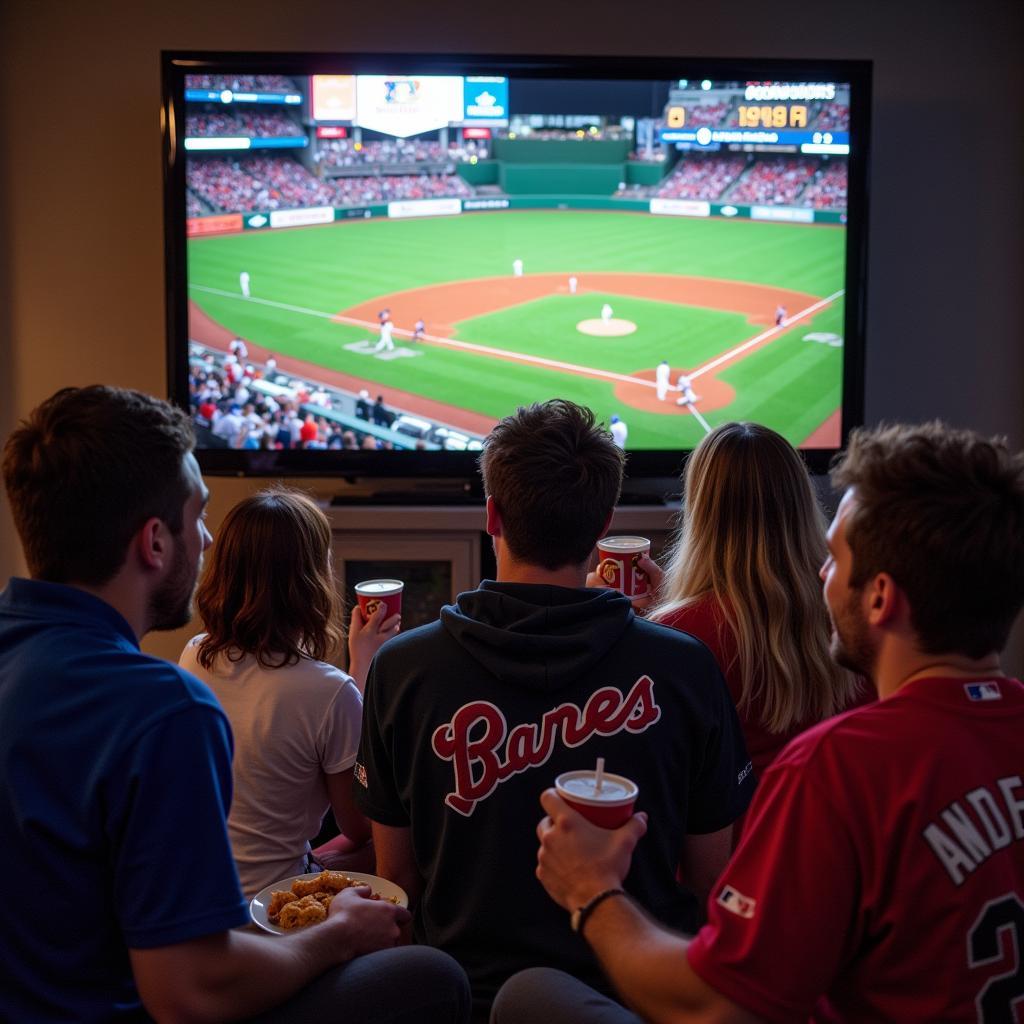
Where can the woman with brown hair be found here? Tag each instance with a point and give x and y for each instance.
(743, 578)
(272, 617)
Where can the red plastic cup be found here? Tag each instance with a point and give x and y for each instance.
(609, 807)
(371, 594)
(617, 563)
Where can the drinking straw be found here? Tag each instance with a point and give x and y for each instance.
(599, 775)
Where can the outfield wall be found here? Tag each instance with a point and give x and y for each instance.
(552, 179)
(230, 223)
(559, 151)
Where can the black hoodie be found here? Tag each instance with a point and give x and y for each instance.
(467, 720)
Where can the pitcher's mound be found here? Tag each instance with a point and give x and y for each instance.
(606, 328)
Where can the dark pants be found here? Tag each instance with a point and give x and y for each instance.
(406, 985)
(543, 995)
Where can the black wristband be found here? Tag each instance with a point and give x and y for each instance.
(579, 916)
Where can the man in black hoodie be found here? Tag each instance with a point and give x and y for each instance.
(467, 720)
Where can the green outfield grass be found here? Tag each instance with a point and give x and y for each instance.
(300, 277)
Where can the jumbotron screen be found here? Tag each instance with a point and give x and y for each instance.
(394, 261)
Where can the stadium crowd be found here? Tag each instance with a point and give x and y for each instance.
(254, 124)
(776, 180)
(828, 189)
(350, 153)
(707, 115)
(228, 402)
(255, 183)
(241, 83)
(389, 187)
(701, 177)
(833, 117)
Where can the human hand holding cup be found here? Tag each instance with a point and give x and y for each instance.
(579, 858)
(376, 618)
(604, 799)
(371, 594)
(618, 565)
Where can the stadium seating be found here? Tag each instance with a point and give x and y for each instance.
(241, 83)
(251, 124)
(701, 177)
(833, 117)
(777, 181)
(828, 189)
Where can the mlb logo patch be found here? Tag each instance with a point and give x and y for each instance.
(736, 903)
(983, 691)
(360, 774)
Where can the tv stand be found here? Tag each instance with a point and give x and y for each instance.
(429, 492)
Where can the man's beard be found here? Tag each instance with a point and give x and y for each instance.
(851, 644)
(170, 606)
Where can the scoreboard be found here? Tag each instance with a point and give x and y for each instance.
(765, 115)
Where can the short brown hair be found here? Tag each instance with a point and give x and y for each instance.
(85, 470)
(942, 512)
(555, 476)
(268, 589)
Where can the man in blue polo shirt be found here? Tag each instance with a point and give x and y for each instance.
(115, 767)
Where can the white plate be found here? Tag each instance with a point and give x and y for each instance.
(259, 903)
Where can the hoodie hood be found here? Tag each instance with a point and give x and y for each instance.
(537, 637)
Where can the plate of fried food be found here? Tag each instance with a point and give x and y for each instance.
(302, 900)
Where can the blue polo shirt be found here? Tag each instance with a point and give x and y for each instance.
(115, 784)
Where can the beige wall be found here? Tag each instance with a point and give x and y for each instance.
(81, 258)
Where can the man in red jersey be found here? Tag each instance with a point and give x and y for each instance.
(881, 875)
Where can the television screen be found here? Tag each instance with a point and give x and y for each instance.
(373, 259)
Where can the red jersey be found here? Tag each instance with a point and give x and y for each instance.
(881, 873)
(705, 621)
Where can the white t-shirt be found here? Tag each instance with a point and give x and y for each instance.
(292, 726)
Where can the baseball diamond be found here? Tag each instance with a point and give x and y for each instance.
(702, 294)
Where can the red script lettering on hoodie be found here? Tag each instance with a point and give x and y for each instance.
(486, 758)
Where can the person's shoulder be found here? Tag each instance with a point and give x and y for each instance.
(686, 653)
(410, 642)
(666, 632)
(843, 737)
(319, 678)
(694, 615)
(176, 682)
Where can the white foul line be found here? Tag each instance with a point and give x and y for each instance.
(734, 352)
(586, 371)
(700, 419)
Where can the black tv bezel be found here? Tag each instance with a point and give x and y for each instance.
(641, 464)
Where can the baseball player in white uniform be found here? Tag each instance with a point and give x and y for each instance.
(572, 285)
(243, 282)
(661, 379)
(385, 343)
(517, 268)
(685, 389)
(606, 312)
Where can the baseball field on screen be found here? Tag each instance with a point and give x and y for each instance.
(694, 290)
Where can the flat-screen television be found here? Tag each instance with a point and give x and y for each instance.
(371, 258)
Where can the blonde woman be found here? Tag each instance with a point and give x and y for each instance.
(272, 619)
(743, 578)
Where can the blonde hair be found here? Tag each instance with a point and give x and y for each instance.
(752, 535)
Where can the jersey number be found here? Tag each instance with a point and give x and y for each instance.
(995, 1002)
